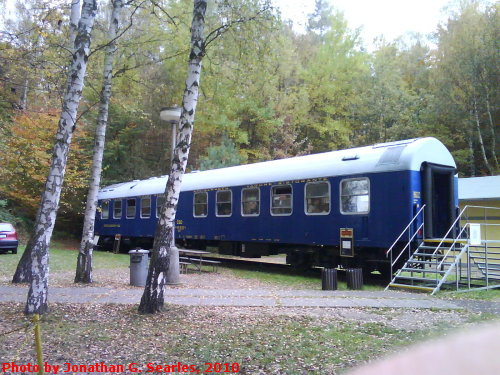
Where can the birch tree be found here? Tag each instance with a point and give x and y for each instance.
(152, 298)
(84, 263)
(34, 265)
(76, 10)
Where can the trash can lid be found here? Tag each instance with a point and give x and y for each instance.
(139, 251)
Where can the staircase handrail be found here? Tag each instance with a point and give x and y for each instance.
(449, 230)
(455, 223)
(453, 244)
(483, 207)
(453, 266)
(393, 262)
(404, 231)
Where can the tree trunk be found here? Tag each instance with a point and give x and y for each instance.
(480, 138)
(471, 154)
(84, 263)
(23, 102)
(73, 22)
(492, 131)
(152, 298)
(39, 242)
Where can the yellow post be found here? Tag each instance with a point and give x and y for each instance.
(38, 343)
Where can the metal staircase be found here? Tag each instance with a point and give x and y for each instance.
(464, 260)
(429, 266)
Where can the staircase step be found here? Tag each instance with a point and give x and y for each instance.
(492, 267)
(490, 258)
(445, 240)
(490, 278)
(490, 274)
(434, 247)
(494, 259)
(429, 262)
(413, 278)
(427, 255)
(420, 270)
(414, 287)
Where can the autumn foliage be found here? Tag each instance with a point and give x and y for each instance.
(25, 160)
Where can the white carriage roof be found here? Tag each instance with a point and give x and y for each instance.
(479, 188)
(384, 157)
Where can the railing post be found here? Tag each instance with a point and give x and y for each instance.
(423, 223)
(486, 262)
(390, 275)
(486, 254)
(468, 265)
(38, 344)
(409, 243)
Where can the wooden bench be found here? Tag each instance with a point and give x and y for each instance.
(213, 263)
(198, 262)
(184, 266)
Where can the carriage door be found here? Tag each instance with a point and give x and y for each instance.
(438, 190)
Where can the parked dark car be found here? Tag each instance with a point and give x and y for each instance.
(8, 238)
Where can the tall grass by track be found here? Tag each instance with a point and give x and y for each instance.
(62, 260)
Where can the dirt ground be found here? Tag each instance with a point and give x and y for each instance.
(403, 319)
(119, 278)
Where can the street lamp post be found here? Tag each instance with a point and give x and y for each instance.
(172, 115)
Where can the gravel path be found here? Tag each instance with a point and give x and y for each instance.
(224, 289)
(240, 297)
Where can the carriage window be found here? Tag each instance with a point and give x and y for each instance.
(223, 203)
(250, 202)
(117, 209)
(317, 198)
(130, 208)
(200, 205)
(355, 196)
(105, 210)
(160, 201)
(281, 200)
(145, 207)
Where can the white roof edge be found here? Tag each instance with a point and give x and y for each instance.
(414, 153)
(479, 188)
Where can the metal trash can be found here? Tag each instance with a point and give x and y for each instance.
(139, 265)
(329, 279)
(354, 278)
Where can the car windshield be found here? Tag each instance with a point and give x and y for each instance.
(6, 227)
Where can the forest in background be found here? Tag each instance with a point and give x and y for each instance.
(267, 92)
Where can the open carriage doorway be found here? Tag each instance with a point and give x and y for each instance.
(438, 188)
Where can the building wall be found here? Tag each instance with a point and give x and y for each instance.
(490, 229)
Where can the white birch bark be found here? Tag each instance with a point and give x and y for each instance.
(492, 132)
(472, 162)
(152, 298)
(23, 103)
(84, 262)
(480, 138)
(38, 244)
(73, 21)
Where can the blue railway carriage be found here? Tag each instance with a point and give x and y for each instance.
(339, 208)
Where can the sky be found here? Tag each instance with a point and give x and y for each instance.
(392, 18)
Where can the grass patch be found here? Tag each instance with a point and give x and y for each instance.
(261, 342)
(484, 295)
(62, 260)
(291, 280)
(308, 282)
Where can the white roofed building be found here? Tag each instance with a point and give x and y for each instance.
(482, 192)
